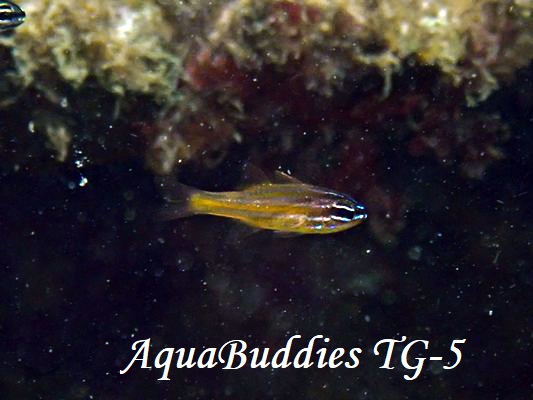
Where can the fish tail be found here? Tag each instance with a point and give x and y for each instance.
(177, 198)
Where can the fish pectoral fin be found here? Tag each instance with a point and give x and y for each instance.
(293, 232)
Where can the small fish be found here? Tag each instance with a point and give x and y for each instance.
(11, 15)
(289, 207)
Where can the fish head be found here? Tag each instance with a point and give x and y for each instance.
(11, 15)
(345, 212)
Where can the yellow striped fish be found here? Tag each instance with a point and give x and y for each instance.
(289, 207)
(11, 15)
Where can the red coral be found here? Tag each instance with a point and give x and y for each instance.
(208, 70)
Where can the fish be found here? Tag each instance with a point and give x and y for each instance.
(288, 207)
(11, 15)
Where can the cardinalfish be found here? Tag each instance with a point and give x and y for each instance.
(11, 15)
(289, 207)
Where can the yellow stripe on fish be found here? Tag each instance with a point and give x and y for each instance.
(288, 207)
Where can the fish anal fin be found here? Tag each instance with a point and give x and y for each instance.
(240, 232)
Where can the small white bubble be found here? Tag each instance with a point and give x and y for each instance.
(83, 181)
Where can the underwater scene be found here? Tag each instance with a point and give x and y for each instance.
(266, 199)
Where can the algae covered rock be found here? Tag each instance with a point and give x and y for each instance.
(125, 45)
(470, 41)
(171, 82)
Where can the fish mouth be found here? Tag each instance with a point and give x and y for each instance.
(361, 215)
(18, 20)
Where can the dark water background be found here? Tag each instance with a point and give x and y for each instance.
(86, 271)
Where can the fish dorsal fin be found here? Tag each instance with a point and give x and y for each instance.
(283, 177)
(252, 175)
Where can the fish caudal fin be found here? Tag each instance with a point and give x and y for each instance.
(177, 198)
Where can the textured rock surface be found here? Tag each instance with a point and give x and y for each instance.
(173, 81)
